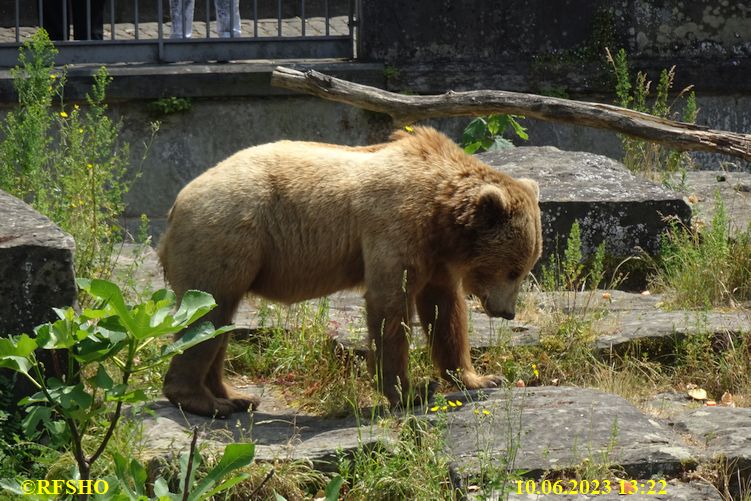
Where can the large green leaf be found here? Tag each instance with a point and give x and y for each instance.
(193, 306)
(69, 397)
(102, 380)
(112, 296)
(333, 488)
(235, 456)
(17, 353)
(194, 335)
(123, 393)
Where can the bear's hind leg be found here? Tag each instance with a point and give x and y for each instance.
(214, 381)
(185, 383)
(443, 314)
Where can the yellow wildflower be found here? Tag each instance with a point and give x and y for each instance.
(63, 114)
(434, 408)
(90, 166)
(409, 128)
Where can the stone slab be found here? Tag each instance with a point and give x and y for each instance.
(277, 431)
(611, 204)
(726, 433)
(546, 428)
(734, 189)
(36, 263)
(36, 266)
(659, 330)
(557, 428)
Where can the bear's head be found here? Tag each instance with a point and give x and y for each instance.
(506, 242)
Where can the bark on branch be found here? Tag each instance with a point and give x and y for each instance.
(408, 109)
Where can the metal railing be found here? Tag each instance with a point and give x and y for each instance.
(145, 31)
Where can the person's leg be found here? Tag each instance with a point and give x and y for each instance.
(181, 13)
(227, 14)
(53, 20)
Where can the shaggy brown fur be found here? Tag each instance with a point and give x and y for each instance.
(291, 221)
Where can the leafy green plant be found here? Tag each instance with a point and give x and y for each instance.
(644, 156)
(170, 105)
(108, 336)
(66, 161)
(488, 133)
(568, 272)
(130, 480)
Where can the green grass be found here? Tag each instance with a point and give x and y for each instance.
(705, 266)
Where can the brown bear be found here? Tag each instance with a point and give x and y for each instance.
(291, 221)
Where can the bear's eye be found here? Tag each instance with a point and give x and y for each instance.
(514, 276)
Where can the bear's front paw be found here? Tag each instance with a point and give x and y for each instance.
(473, 381)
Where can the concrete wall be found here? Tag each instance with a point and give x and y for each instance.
(410, 32)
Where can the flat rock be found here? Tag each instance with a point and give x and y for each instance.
(558, 428)
(610, 203)
(278, 432)
(726, 433)
(734, 189)
(658, 331)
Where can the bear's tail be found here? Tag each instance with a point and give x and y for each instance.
(161, 249)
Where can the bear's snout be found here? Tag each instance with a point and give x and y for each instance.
(497, 312)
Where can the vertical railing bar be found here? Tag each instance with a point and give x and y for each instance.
(18, 22)
(351, 16)
(41, 13)
(279, 18)
(182, 20)
(65, 31)
(208, 19)
(232, 18)
(135, 13)
(160, 29)
(302, 15)
(326, 16)
(357, 34)
(255, 18)
(112, 20)
(88, 19)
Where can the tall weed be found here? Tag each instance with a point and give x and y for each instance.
(66, 161)
(645, 157)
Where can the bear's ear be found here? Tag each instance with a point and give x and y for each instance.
(492, 205)
(532, 185)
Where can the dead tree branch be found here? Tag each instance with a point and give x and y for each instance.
(409, 109)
